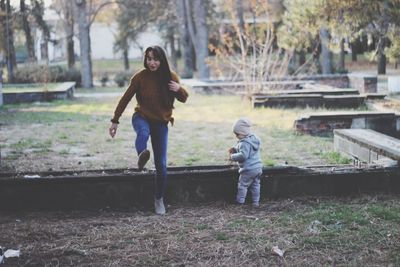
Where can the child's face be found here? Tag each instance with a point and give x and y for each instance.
(239, 136)
(152, 62)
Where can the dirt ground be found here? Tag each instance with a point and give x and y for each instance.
(358, 231)
(310, 231)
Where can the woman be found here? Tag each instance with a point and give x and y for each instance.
(156, 88)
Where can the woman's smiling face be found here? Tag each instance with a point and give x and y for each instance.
(152, 62)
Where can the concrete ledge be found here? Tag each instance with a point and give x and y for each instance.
(365, 83)
(324, 123)
(129, 188)
(309, 100)
(367, 145)
(63, 91)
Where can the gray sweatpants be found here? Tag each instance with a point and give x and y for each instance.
(249, 181)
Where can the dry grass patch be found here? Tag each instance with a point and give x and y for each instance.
(362, 231)
(76, 134)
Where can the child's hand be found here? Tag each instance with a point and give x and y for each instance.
(232, 150)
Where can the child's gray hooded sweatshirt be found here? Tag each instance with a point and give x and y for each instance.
(248, 154)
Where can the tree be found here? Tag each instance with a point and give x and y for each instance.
(198, 29)
(371, 17)
(248, 52)
(167, 24)
(38, 14)
(186, 42)
(84, 43)
(30, 46)
(8, 41)
(86, 11)
(299, 31)
(326, 54)
(133, 18)
(65, 10)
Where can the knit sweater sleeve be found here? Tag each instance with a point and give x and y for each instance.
(182, 93)
(126, 98)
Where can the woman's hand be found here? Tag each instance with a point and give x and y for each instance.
(173, 86)
(113, 129)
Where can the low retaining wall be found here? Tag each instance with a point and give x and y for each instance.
(310, 100)
(324, 123)
(335, 80)
(364, 83)
(63, 91)
(367, 145)
(129, 188)
(285, 83)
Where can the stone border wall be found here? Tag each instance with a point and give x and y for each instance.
(323, 124)
(364, 83)
(285, 83)
(63, 91)
(125, 190)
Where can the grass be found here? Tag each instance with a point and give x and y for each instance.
(201, 135)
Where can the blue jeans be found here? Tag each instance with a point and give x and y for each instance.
(158, 130)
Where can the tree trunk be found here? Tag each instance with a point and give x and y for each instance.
(27, 30)
(341, 66)
(1, 85)
(8, 41)
(354, 51)
(199, 35)
(326, 54)
(316, 54)
(381, 55)
(302, 57)
(201, 38)
(44, 50)
(84, 42)
(171, 41)
(70, 52)
(239, 11)
(187, 54)
(125, 55)
(384, 25)
(69, 32)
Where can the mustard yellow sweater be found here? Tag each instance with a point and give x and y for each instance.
(150, 103)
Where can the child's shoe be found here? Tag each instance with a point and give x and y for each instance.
(255, 205)
(236, 203)
(159, 206)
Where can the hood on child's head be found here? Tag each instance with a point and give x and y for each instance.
(242, 126)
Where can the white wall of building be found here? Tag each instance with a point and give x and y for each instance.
(102, 38)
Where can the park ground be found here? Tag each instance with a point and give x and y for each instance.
(361, 230)
(341, 231)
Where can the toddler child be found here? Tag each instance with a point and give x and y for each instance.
(247, 154)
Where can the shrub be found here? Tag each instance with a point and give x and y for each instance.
(104, 79)
(122, 77)
(46, 74)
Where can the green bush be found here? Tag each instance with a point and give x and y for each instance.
(104, 79)
(122, 77)
(46, 74)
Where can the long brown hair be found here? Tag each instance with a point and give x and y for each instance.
(163, 73)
